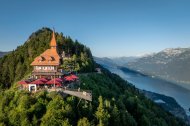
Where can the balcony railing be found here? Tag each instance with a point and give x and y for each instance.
(44, 71)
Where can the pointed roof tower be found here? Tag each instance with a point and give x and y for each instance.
(50, 56)
(53, 41)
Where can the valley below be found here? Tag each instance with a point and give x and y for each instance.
(156, 86)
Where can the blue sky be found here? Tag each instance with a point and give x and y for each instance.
(109, 27)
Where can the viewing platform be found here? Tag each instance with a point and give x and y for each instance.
(83, 94)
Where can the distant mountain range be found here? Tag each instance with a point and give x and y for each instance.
(116, 61)
(106, 62)
(3, 53)
(123, 60)
(170, 64)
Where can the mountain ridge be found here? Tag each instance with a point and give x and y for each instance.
(169, 64)
(2, 53)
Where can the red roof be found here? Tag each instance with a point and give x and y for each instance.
(49, 57)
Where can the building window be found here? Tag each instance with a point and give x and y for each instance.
(52, 68)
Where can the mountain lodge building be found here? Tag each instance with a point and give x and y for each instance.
(47, 64)
(48, 75)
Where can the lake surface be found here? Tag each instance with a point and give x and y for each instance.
(181, 94)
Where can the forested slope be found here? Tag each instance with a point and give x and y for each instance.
(115, 103)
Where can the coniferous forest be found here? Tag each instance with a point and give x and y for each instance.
(115, 101)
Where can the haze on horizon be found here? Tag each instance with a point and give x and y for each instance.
(110, 28)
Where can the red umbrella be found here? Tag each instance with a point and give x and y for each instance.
(37, 82)
(54, 82)
(73, 76)
(58, 85)
(63, 79)
(69, 78)
(59, 79)
(24, 82)
(44, 80)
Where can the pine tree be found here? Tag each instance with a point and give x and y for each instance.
(66, 123)
(115, 116)
(34, 121)
(101, 114)
(83, 122)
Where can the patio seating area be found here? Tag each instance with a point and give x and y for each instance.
(34, 85)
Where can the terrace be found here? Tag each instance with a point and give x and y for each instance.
(66, 85)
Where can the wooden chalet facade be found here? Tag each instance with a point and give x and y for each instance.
(47, 64)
